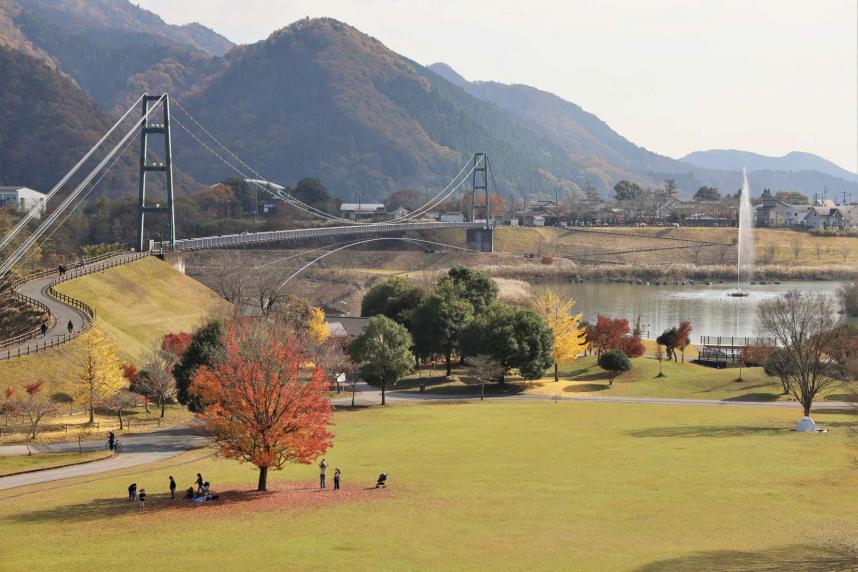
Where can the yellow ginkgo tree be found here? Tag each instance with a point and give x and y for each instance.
(99, 373)
(317, 325)
(570, 337)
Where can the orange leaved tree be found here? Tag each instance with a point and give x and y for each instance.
(262, 404)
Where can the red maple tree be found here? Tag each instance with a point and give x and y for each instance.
(129, 372)
(261, 405)
(176, 344)
(607, 333)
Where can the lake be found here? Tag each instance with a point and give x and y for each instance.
(709, 308)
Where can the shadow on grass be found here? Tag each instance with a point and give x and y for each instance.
(586, 387)
(792, 557)
(850, 397)
(595, 376)
(710, 431)
(753, 397)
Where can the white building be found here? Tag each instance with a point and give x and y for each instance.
(451, 217)
(356, 211)
(22, 199)
(795, 215)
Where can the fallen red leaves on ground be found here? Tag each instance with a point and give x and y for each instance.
(287, 496)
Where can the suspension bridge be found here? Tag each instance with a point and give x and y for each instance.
(65, 318)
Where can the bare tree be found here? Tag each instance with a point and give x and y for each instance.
(34, 406)
(232, 281)
(803, 326)
(484, 369)
(796, 248)
(723, 250)
(268, 292)
(121, 401)
(818, 247)
(659, 355)
(844, 252)
(771, 251)
(156, 381)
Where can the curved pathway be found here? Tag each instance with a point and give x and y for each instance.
(137, 450)
(62, 312)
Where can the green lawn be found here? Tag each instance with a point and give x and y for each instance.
(492, 485)
(584, 378)
(21, 463)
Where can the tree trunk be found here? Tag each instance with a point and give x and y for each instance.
(382, 393)
(121, 427)
(482, 390)
(91, 413)
(354, 389)
(556, 376)
(262, 486)
(33, 436)
(146, 405)
(611, 380)
(163, 407)
(449, 364)
(806, 405)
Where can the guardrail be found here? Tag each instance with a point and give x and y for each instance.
(277, 235)
(89, 266)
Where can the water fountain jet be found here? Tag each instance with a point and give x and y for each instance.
(746, 238)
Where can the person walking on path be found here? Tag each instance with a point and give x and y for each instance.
(172, 487)
(70, 327)
(44, 329)
(111, 441)
(323, 469)
(199, 482)
(132, 492)
(142, 500)
(337, 479)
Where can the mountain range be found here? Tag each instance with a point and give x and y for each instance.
(733, 160)
(319, 98)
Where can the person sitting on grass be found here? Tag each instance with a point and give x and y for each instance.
(382, 481)
(132, 492)
(189, 494)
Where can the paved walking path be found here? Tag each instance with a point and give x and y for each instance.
(136, 450)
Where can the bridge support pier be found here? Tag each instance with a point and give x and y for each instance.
(480, 239)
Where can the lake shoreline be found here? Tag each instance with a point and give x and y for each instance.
(665, 272)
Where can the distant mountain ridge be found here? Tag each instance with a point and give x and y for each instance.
(320, 98)
(735, 160)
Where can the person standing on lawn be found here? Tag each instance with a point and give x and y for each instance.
(337, 479)
(142, 500)
(323, 469)
(172, 487)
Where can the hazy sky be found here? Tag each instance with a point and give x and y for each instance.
(675, 76)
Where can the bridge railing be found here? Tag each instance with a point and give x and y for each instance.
(232, 240)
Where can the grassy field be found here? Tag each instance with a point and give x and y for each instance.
(488, 486)
(584, 378)
(774, 246)
(135, 306)
(68, 427)
(10, 464)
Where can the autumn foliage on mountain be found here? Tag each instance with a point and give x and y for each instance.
(263, 404)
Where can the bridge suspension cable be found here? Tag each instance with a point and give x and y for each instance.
(31, 214)
(22, 249)
(280, 193)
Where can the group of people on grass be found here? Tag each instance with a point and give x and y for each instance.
(201, 494)
(323, 471)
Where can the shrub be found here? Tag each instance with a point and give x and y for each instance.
(614, 362)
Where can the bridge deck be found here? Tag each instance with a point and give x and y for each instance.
(230, 240)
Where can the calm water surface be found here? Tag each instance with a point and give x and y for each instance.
(711, 311)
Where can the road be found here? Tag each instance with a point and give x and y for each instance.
(137, 450)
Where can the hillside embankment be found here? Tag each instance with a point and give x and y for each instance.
(135, 305)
